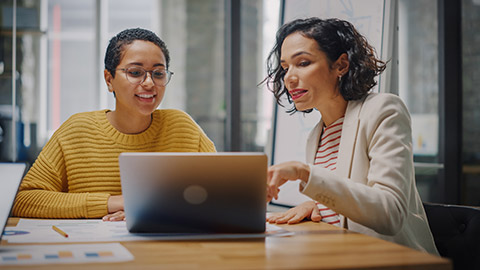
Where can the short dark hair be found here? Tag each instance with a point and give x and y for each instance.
(114, 50)
(334, 37)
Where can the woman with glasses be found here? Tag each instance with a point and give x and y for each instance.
(359, 156)
(76, 175)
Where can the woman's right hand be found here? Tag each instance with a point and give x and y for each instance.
(278, 174)
(307, 210)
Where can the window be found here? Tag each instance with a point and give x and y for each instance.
(471, 98)
(60, 63)
(418, 86)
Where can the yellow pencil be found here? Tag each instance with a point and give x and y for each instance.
(62, 233)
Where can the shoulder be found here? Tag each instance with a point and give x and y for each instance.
(79, 121)
(173, 113)
(181, 125)
(171, 116)
(92, 116)
(381, 99)
(83, 116)
(386, 112)
(175, 119)
(75, 127)
(383, 104)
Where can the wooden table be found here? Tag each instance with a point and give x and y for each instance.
(313, 246)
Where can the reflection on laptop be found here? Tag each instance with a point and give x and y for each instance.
(194, 192)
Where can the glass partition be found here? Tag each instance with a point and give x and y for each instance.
(60, 49)
(418, 86)
(470, 188)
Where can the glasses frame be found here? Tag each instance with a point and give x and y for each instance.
(168, 72)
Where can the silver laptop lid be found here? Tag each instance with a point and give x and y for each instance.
(10, 177)
(194, 192)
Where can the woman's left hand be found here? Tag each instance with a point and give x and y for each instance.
(307, 210)
(115, 204)
(117, 216)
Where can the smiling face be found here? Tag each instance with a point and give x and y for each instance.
(142, 99)
(310, 78)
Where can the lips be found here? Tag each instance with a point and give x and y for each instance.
(297, 93)
(146, 97)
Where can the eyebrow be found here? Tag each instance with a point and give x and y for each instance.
(295, 55)
(141, 64)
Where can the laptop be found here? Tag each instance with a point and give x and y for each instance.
(194, 192)
(11, 175)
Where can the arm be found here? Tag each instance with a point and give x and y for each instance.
(44, 192)
(381, 182)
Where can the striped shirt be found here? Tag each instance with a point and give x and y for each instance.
(326, 157)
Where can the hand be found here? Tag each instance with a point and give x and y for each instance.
(117, 216)
(115, 204)
(308, 210)
(278, 174)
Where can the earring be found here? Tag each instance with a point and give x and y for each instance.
(339, 79)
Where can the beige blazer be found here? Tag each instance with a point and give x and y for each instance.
(373, 187)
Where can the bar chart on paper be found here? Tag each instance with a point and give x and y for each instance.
(64, 254)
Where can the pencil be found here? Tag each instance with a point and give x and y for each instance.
(62, 233)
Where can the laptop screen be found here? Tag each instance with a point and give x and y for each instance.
(11, 175)
(194, 192)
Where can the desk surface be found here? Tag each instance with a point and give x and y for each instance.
(313, 246)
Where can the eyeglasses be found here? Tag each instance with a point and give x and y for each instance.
(137, 75)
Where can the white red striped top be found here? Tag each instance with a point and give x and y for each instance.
(326, 157)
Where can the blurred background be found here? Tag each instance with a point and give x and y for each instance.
(51, 66)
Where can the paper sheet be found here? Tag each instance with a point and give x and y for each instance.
(61, 254)
(96, 230)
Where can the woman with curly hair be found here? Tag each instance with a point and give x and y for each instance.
(359, 156)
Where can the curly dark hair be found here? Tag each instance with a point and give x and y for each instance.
(334, 37)
(115, 46)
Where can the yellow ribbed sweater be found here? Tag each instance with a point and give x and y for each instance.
(77, 170)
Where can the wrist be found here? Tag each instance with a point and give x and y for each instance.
(305, 176)
(304, 173)
(115, 204)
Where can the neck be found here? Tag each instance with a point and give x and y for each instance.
(333, 111)
(127, 123)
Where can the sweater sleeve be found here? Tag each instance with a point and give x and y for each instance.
(44, 192)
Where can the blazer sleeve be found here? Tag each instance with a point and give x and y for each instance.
(378, 198)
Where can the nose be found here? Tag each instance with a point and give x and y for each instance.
(290, 79)
(148, 81)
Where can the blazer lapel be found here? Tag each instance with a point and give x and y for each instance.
(348, 139)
